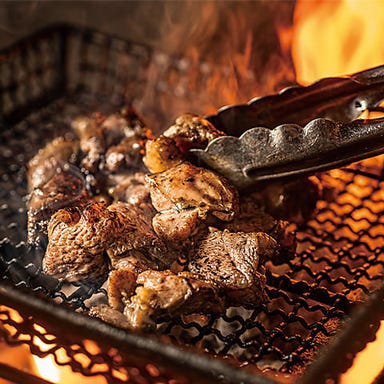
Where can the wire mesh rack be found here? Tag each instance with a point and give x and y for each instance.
(63, 71)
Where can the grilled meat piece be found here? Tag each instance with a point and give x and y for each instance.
(164, 294)
(83, 241)
(225, 270)
(192, 131)
(161, 154)
(131, 188)
(92, 141)
(54, 182)
(232, 262)
(55, 155)
(252, 218)
(126, 135)
(78, 238)
(198, 195)
(109, 315)
(170, 148)
(65, 189)
(128, 153)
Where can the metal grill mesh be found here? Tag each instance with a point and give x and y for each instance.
(339, 261)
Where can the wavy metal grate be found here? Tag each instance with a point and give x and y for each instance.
(340, 258)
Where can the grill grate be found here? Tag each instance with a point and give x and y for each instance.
(340, 258)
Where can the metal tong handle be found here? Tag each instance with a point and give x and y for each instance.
(290, 150)
(325, 134)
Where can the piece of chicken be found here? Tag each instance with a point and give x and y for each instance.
(170, 148)
(252, 218)
(54, 182)
(85, 241)
(225, 269)
(186, 196)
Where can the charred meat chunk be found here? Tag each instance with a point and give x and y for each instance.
(233, 262)
(186, 195)
(131, 188)
(44, 165)
(65, 189)
(92, 141)
(170, 148)
(225, 270)
(84, 241)
(161, 295)
(54, 182)
(252, 218)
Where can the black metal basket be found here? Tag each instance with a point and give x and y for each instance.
(46, 80)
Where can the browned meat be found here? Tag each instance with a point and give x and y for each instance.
(92, 141)
(164, 294)
(109, 315)
(252, 218)
(129, 188)
(126, 135)
(192, 131)
(125, 154)
(113, 142)
(161, 154)
(77, 242)
(54, 182)
(84, 241)
(133, 232)
(233, 262)
(44, 165)
(170, 149)
(225, 270)
(122, 280)
(65, 189)
(196, 193)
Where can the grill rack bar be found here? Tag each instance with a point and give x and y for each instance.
(39, 112)
(175, 360)
(338, 356)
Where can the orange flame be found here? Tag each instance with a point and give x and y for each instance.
(333, 38)
(368, 363)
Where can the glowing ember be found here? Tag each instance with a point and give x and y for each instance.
(48, 369)
(368, 363)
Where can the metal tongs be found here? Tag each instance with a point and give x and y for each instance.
(300, 131)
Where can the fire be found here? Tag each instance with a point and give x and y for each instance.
(48, 369)
(333, 38)
(368, 363)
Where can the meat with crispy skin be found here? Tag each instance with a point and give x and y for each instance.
(170, 148)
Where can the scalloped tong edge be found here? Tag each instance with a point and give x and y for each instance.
(312, 143)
